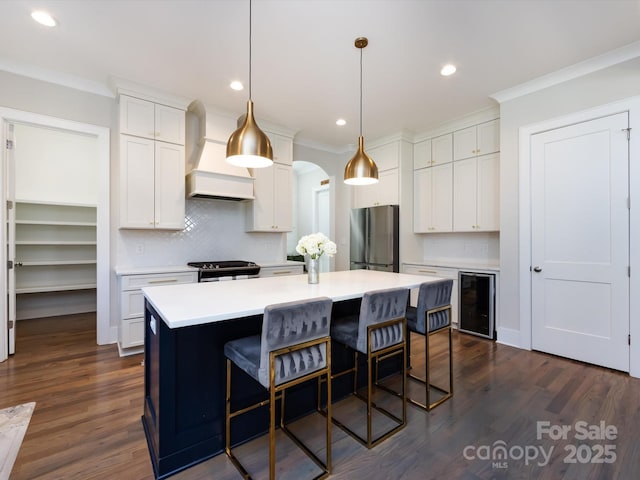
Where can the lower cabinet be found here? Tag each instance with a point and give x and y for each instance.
(131, 334)
(443, 272)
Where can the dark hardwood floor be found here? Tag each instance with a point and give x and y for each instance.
(86, 423)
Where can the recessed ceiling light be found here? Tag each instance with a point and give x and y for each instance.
(43, 18)
(447, 70)
(236, 85)
(341, 122)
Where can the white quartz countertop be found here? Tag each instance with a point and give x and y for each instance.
(199, 303)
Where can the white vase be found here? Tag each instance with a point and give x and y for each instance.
(313, 270)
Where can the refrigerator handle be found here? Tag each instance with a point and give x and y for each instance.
(367, 235)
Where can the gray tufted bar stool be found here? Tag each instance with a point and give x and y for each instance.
(432, 315)
(294, 347)
(379, 332)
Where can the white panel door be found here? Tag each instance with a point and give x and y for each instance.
(488, 203)
(442, 198)
(283, 197)
(580, 242)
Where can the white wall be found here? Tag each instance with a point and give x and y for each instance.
(599, 88)
(55, 165)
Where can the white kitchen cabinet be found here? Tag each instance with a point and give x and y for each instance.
(433, 199)
(385, 192)
(281, 270)
(152, 165)
(152, 187)
(442, 149)
(386, 156)
(272, 208)
(282, 148)
(131, 334)
(476, 194)
(481, 139)
(422, 154)
(55, 251)
(434, 151)
(428, 270)
(146, 119)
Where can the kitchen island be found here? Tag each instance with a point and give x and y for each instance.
(186, 327)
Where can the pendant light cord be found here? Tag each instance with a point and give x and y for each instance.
(361, 92)
(249, 49)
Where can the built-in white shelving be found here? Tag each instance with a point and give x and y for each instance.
(55, 251)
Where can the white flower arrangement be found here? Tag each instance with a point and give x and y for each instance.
(316, 245)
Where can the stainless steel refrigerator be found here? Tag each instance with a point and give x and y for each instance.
(375, 238)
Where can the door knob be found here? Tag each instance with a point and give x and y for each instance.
(537, 269)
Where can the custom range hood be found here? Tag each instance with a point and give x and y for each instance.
(209, 175)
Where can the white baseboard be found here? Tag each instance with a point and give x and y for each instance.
(509, 336)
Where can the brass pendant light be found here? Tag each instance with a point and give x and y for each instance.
(249, 146)
(361, 169)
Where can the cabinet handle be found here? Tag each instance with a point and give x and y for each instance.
(169, 280)
(282, 272)
(427, 271)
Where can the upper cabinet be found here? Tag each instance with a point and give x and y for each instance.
(476, 194)
(152, 165)
(478, 140)
(433, 151)
(456, 181)
(272, 208)
(386, 191)
(146, 119)
(433, 197)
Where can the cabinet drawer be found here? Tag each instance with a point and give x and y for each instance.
(132, 332)
(131, 304)
(432, 271)
(280, 271)
(130, 282)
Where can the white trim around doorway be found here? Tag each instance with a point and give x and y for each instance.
(631, 105)
(104, 333)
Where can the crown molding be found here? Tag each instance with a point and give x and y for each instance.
(613, 57)
(55, 77)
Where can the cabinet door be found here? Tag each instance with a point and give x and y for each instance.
(137, 117)
(169, 186)
(422, 200)
(464, 143)
(260, 210)
(386, 156)
(283, 198)
(488, 140)
(442, 149)
(433, 199)
(464, 195)
(488, 210)
(422, 154)
(385, 192)
(169, 124)
(136, 182)
(282, 149)
(442, 198)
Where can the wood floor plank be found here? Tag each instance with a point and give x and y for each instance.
(86, 424)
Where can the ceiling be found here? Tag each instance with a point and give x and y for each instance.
(305, 71)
